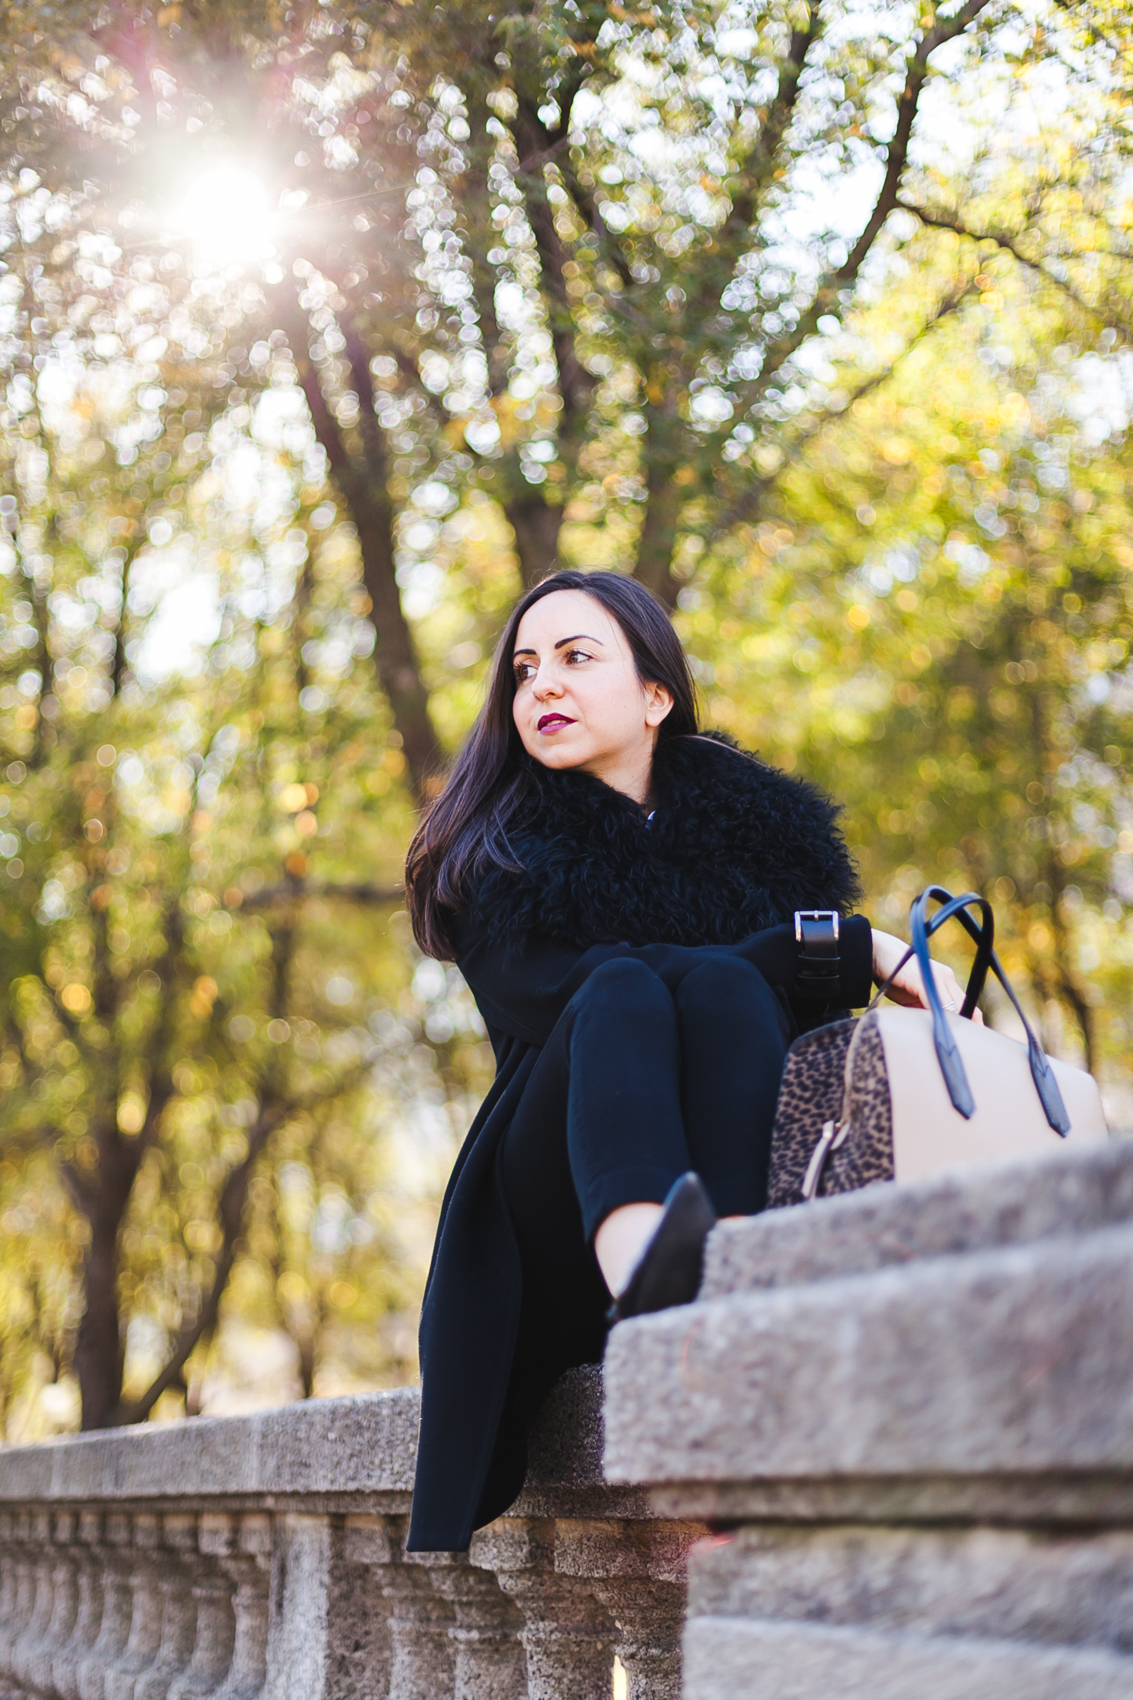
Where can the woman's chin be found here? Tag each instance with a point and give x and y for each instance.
(551, 753)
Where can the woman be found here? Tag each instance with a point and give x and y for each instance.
(620, 893)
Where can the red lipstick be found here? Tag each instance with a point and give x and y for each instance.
(552, 722)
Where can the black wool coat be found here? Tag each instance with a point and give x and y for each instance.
(734, 847)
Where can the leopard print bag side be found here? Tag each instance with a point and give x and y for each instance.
(834, 1069)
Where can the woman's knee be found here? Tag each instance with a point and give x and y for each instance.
(622, 1005)
(724, 980)
(622, 983)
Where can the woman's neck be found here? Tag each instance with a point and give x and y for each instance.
(629, 772)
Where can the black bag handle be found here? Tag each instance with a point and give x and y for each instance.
(978, 975)
(947, 1052)
(982, 931)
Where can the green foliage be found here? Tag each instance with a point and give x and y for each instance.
(200, 871)
(936, 623)
(321, 331)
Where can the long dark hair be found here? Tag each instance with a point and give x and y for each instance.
(465, 833)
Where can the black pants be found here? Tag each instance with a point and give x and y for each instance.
(648, 1084)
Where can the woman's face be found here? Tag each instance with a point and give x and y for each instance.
(578, 699)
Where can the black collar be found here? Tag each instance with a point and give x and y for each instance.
(732, 846)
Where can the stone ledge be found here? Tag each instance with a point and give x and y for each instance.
(881, 1226)
(1041, 1586)
(353, 1454)
(905, 1344)
(1103, 1498)
(913, 1407)
(725, 1657)
(363, 1445)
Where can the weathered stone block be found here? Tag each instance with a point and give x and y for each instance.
(1017, 1360)
(725, 1658)
(886, 1226)
(1026, 1584)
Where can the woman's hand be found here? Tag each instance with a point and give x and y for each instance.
(908, 987)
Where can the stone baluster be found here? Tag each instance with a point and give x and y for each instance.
(250, 1569)
(38, 1662)
(23, 1593)
(489, 1659)
(568, 1635)
(216, 1624)
(7, 1567)
(88, 1613)
(117, 1609)
(421, 1651)
(31, 1632)
(638, 1571)
(649, 1616)
(9, 1571)
(358, 1623)
(178, 1610)
(146, 1615)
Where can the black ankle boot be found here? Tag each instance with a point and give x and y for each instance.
(669, 1269)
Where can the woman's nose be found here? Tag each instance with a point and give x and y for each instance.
(544, 684)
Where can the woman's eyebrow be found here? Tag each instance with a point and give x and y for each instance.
(560, 644)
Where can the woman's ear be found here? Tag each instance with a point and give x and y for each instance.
(658, 702)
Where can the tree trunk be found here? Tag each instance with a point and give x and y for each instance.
(305, 1347)
(536, 526)
(118, 666)
(664, 501)
(99, 1348)
(361, 480)
(394, 650)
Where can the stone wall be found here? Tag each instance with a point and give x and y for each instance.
(909, 1412)
(905, 1416)
(265, 1555)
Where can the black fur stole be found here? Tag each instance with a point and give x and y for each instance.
(734, 846)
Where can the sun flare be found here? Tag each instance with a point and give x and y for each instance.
(227, 215)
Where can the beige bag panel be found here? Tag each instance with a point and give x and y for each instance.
(929, 1135)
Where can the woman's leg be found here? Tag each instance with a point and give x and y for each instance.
(589, 1097)
(625, 1132)
(600, 1125)
(633, 1089)
(563, 1305)
(733, 1040)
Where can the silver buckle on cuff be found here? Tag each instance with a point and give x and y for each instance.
(802, 915)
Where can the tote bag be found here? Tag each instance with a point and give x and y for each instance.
(902, 1093)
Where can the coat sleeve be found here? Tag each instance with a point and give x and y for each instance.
(522, 987)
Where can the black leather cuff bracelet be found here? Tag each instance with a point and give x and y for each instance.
(820, 964)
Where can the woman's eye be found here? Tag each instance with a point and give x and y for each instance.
(523, 671)
(575, 655)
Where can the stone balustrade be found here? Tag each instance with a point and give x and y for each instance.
(265, 1556)
(891, 1446)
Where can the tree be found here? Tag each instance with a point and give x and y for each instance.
(947, 573)
(361, 316)
(608, 280)
(168, 1013)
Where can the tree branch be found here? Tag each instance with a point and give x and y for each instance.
(575, 381)
(1010, 245)
(364, 489)
(896, 158)
(747, 505)
(299, 891)
(761, 163)
(118, 666)
(231, 1212)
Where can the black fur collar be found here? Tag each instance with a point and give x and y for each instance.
(734, 846)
